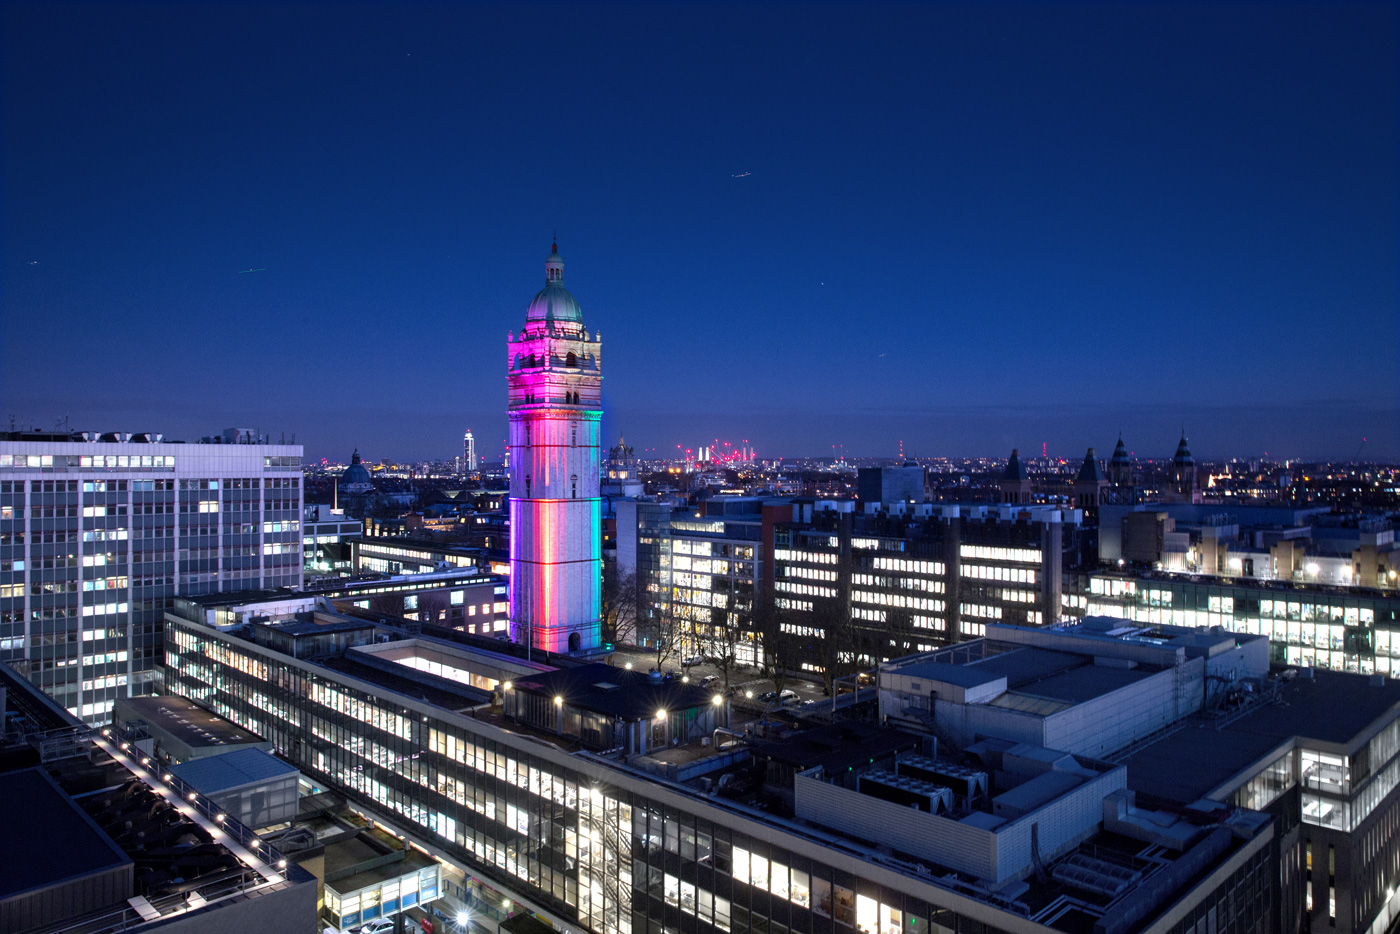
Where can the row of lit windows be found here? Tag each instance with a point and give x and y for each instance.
(1017, 596)
(163, 461)
(110, 681)
(904, 583)
(103, 609)
(998, 553)
(900, 601)
(1011, 575)
(977, 609)
(805, 590)
(809, 557)
(808, 573)
(909, 566)
(236, 660)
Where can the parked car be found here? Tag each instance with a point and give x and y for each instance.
(690, 660)
(769, 697)
(378, 926)
(708, 680)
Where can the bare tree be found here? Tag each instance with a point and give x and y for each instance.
(664, 627)
(834, 642)
(780, 645)
(721, 642)
(620, 606)
(902, 632)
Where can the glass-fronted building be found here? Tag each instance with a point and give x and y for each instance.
(1347, 629)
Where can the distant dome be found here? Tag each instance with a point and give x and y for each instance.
(554, 302)
(356, 477)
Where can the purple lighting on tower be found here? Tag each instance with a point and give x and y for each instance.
(554, 403)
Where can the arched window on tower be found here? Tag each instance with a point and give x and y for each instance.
(573, 434)
(573, 486)
(527, 435)
(530, 360)
(527, 486)
(571, 360)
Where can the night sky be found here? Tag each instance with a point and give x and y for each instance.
(967, 227)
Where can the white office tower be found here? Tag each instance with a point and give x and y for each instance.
(99, 533)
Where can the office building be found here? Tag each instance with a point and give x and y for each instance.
(679, 835)
(325, 537)
(468, 452)
(98, 533)
(1346, 629)
(699, 569)
(1294, 544)
(1203, 725)
(907, 576)
(554, 374)
(890, 484)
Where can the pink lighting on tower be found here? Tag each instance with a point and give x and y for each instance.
(554, 385)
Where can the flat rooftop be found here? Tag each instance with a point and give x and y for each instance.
(240, 597)
(1333, 708)
(350, 852)
(55, 840)
(440, 692)
(213, 774)
(188, 722)
(607, 689)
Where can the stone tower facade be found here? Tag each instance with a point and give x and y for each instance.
(554, 375)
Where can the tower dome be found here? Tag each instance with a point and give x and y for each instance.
(554, 302)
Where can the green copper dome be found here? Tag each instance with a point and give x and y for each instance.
(554, 302)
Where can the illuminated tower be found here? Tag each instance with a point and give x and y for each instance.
(553, 370)
(469, 451)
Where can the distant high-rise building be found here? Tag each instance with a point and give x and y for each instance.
(890, 484)
(555, 383)
(98, 536)
(469, 452)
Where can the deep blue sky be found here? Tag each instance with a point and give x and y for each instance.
(967, 227)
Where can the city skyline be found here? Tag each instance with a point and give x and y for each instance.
(968, 229)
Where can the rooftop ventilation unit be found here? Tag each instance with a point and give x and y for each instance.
(910, 792)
